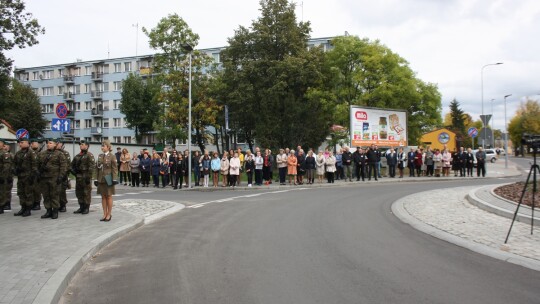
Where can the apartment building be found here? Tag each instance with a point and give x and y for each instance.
(91, 90)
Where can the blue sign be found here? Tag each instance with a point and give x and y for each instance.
(61, 110)
(22, 133)
(473, 132)
(61, 125)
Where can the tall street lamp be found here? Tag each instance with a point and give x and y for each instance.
(482, 92)
(188, 48)
(505, 134)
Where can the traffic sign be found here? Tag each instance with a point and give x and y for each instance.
(22, 133)
(61, 125)
(61, 110)
(473, 132)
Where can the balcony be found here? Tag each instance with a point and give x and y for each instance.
(69, 79)
(68, 96)
(97, 112)
(97, 76)
(96, 131)
(146, 72)
(70, 114)
(96, 94)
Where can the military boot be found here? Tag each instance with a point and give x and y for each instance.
(20, 212)
(1, 210)
(54, 214)
(26, 212)
(36, 206)
(7, 206)
(86, 209)
(62, 208)
(48, 214)
(80, 210)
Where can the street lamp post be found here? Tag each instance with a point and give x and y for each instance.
(482, 92)
(188, 48)
(505, 135)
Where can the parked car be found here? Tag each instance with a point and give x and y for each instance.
(490, 155)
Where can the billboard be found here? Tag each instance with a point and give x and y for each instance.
(382, 127)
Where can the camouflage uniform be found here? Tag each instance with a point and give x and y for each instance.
(82, 167)
(66, 183)
(52, 169)
(6, 178)
(26, 171)
(36, 191)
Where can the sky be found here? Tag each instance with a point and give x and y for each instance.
(446, 42)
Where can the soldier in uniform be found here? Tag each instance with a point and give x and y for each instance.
(6, 168)
(82, 167)
(107, 173)
(52, 170)
(65, 183)
(36, 191)
(26, 171)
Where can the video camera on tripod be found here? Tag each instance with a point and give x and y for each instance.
(531, 140)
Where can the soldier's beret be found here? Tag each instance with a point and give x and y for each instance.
(36, 140)
(3, 140)
(82, 141)
(55, 140)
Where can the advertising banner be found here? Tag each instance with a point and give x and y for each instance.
(382, 127)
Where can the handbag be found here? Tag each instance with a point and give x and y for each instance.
(108, 179)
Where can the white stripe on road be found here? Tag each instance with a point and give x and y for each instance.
(242, 196)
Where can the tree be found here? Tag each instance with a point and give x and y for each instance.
(140, 104)
(17, 29)
(367, 73)
(171, 37)
(23, 110)
(270, 81)
(526, 120)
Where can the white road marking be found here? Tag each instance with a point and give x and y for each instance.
(242, 196)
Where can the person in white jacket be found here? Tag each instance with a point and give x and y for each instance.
(234, 169)
(259, 162)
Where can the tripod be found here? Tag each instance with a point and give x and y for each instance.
(532, 171)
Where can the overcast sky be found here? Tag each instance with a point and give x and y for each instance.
(446, 42)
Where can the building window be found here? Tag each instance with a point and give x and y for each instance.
(88, 139)
(117, 139)
(60, 90)
(77, 106)
(60, 73)
(116, 104)
(35, 75)
(77, 89)
(216, 57)
(47, 91)
(87, 123)
(105, 122)
(77, 124)
(88, 106)
(88, 70)
(127, 66)
(117, 85)
(48, 74)
(103, 87)
(77, 71)
(127, 139)
(117, 67)
(117, 122)
(47, 108)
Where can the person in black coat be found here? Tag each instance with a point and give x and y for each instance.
(361, 165)
(309, 165)
(469, 159)
(347, 161)
(410, 162)
(180, 169)
(391, 162)
(462, 162)
(372, 162)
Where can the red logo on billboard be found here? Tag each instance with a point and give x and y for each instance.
(360, 115)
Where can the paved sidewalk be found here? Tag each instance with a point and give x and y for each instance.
(448, 215)
(39, 257)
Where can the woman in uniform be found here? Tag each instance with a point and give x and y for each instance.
(107, 174)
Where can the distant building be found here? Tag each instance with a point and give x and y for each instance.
(92, 92)
(437, 139)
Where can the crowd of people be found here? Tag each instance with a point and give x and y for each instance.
(294, 167)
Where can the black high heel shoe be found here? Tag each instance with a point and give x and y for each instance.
(109, 219)
(102, 220)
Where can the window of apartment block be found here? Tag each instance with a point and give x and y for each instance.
(87, 88)
(117, 122)
(77, 71)
(216, 57)
(77, 106)
(127, 66)
(77, 89)
(35, 75)
(77, 124)
(105, 122)
(116, 104)
(88, 139)
(48, 74)
(88, 106)
(87, 123)
(127, 139)
(102, 87)
(60, 72)
(47, 108)
(117, 67)
(117, 85)
(88, 70)
(47, 91)
(117, 139)
(60, 90)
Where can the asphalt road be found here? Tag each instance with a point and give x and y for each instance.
(338, 245)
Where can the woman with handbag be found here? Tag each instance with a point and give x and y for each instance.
(125, 168)
(107, 174)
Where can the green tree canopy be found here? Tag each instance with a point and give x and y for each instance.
(367, 73)
(139, 104)
(23, 110)
(271, 81)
